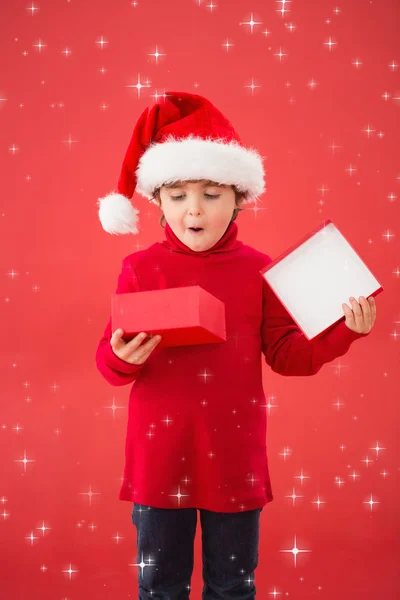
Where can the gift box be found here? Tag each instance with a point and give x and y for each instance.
(314, 277)
(183, 316)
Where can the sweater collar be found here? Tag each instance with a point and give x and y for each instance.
(226, 243)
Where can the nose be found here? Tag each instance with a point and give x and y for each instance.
(194, 206)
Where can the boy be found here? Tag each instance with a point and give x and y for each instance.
(196, 435)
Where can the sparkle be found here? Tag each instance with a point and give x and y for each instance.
(211, 6)
(388, 235)
(357, 63)
(43, 528)
(102, 42)
(312, 84)
(286, 452)
(330, 43)
(280, 54)
(70, 141)
(227, 45)
(295, 551)
(318, 502)
(25, 460)
(252, 86)
(156, 54)
(351, 169)
(368, 130)
(13, 149)
(113, 407)
(333, 147)
(252, 479)
(31, 537)
(138, 86)
(268, 405)
(256, 209)
(338, 404)
(354, 475)
(143, 564)
(301, 477)
(293, 495)
(205, 375)
(323, 189)
(66, 52)
(283, 10)
(371, 502)
(377, 448)
(70, 571)
(393, 65)
(32, 9)
(179, 495)
(90, 494)
(367, 461)
(251, 23)
(156, 96)
(39, 45)
(338, 367)
(167, 420)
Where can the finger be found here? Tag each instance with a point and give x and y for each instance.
(116, 336)
(147, 348)
(372, 304)
(358, 314)
(349, 314)
(366, 310)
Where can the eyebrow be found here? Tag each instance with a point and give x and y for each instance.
(179, 184)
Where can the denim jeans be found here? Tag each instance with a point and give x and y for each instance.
(165, 552)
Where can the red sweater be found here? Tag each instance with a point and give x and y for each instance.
(196, 432)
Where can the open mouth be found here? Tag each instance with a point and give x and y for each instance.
(196, 229)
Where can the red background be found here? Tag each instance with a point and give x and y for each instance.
(59, 269)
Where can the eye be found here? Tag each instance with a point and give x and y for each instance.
(212, 196)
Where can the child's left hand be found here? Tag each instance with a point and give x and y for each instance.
(361, 317)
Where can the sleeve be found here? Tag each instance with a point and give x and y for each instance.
(287, 350)
(115, 370)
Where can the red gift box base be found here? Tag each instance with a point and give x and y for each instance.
(183, 316)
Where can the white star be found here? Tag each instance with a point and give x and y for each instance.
(102, 42)
(251, 23)
(24, 460)
(39, 45)
(138, 86)
(156, 54)
(330, 43)
(32, 9)
(295, 551)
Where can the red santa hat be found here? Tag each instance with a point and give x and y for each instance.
(183, 137)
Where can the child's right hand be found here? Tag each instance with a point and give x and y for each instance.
(133, 352)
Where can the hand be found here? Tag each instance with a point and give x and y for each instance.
(361, 317)
(133, 352)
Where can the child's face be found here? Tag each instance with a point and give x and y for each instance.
(198, 204)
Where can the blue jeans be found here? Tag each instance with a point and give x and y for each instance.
(165, 552)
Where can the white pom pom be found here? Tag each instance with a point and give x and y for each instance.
(117, 214)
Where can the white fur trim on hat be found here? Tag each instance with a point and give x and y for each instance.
(117, 214)
(192, 157)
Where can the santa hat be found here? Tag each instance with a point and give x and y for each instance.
(183, 137)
